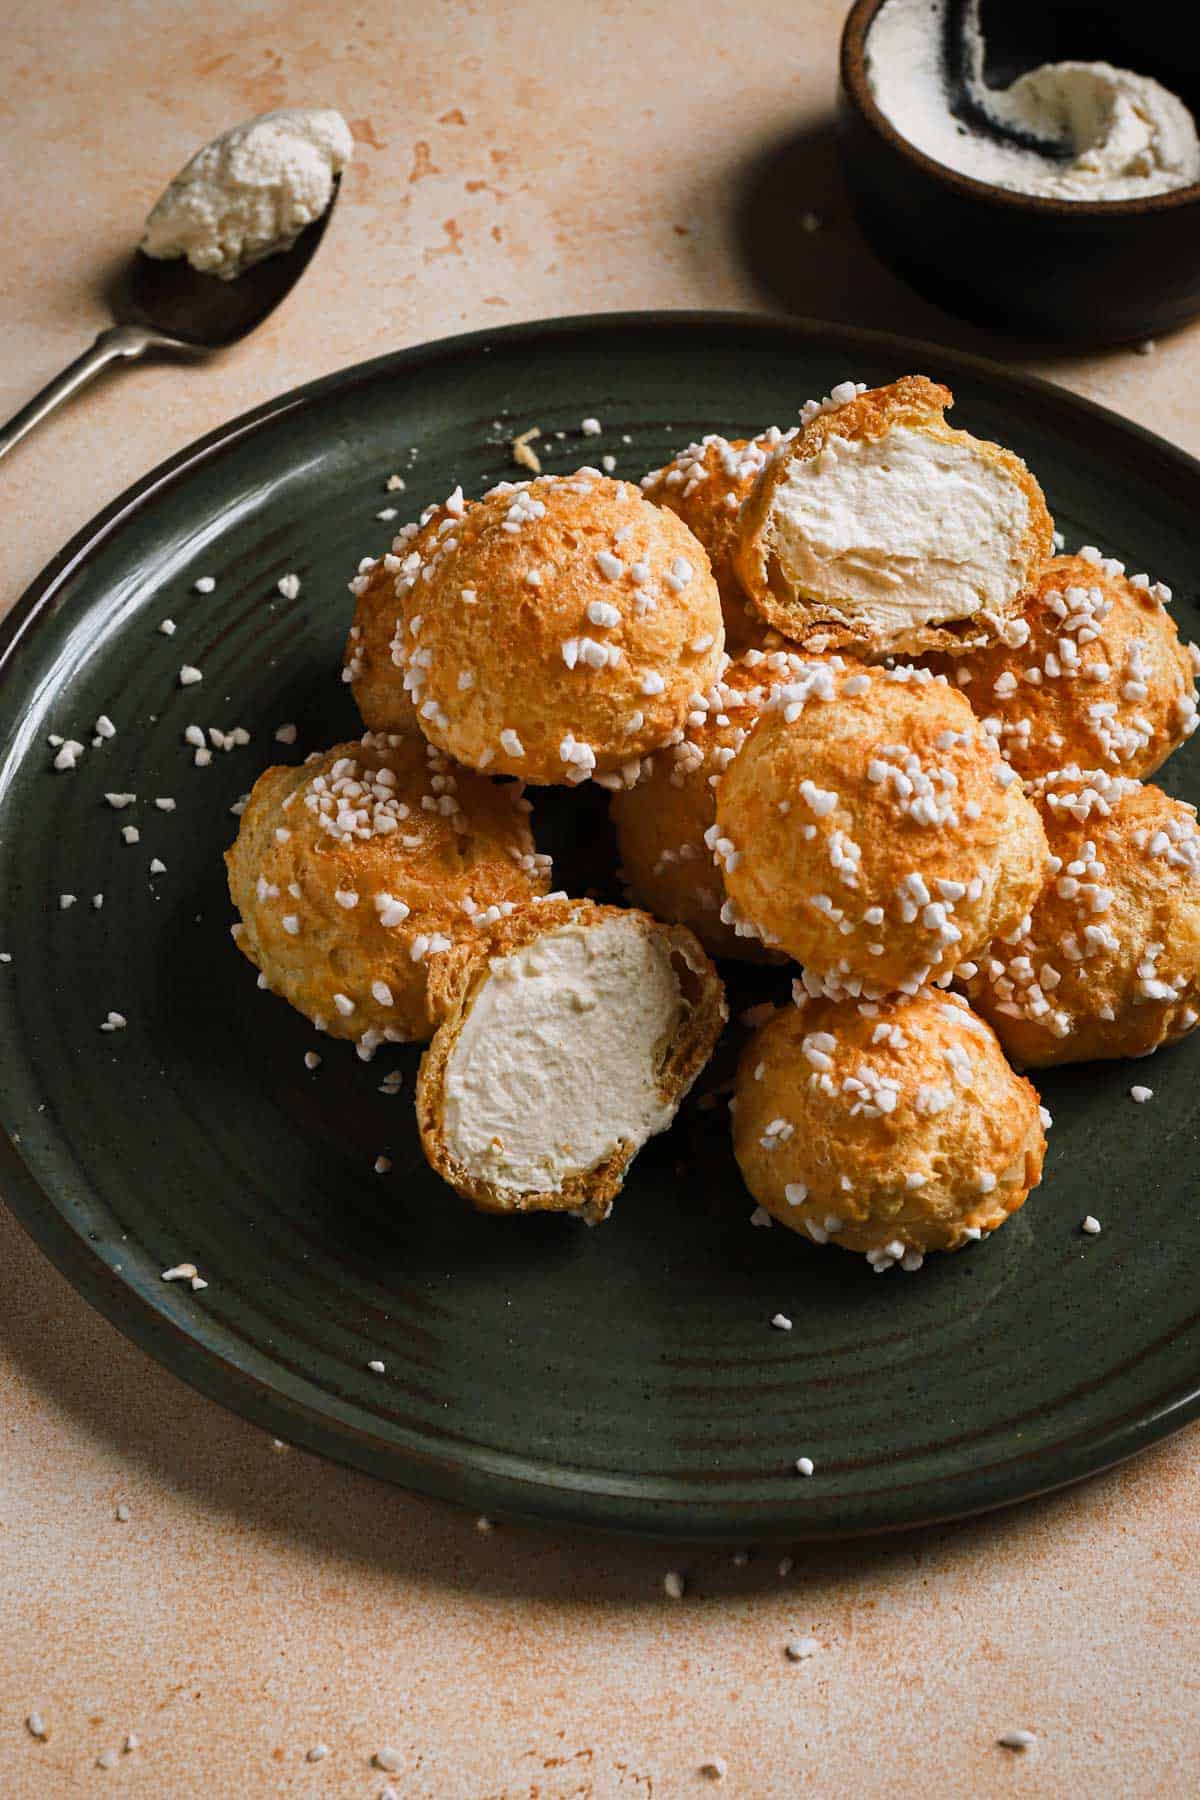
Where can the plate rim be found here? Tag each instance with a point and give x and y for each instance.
(150, 1324)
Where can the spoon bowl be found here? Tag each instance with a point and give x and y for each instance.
(202, 311)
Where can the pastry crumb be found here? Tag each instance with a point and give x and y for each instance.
(522, 454)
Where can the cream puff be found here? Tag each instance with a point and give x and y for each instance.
(869, 827)
(1108, 963)
(563, 1047)
(706, 484)
(353, 872)
(890, 1128)
(1088, 671)
(880, 530)
(374, 658)
(554, 630)
(661, 822)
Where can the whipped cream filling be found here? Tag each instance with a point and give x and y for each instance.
(900, 530)
(1108, 133)
(557, 1063)
(251, 191)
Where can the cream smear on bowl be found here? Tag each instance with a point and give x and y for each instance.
(1106, 133)
(251, 191)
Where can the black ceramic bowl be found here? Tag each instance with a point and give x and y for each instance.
(1100, 271)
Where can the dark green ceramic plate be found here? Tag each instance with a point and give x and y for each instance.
(626, 1377)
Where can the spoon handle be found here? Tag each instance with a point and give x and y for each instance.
(120, 343)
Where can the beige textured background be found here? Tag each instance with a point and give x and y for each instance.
(515, 160)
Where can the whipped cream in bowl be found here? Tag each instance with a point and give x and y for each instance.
(1033, 165)
(1072, 130)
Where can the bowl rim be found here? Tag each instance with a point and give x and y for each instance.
(852, 64)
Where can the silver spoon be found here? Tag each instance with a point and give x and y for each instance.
(170, 306)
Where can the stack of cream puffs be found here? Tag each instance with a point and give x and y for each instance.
(855, 716)
(553, 632)
(923, 790)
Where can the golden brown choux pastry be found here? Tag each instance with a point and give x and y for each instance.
(881, 530)
(1110, 962)
(890, 1128)
(869, 827)
(369, 662)
(353, 872)
(706, 484)
(661, 822)
(554, 630)
(572, 1040)
(1089, 671)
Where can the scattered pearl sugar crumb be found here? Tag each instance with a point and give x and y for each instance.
(204, 584)
(123, 1514)
(1141, 1094)
(590, 427)
(781, 1322)
(167, 627)
(382, 1165)
(804, 1465)
(189, 675)
(376, 1367)
(289, 586)
(389, 1760)
(115, 1021)
(285, 734)
(107, 1759)
(36, 1726)
(1017, 1740)
(800, 1649)
(318, 1753)
(674, 1586)
(484, 1525)
(132, 1742)
(1091, 1226)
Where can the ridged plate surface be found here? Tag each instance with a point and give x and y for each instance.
(625, 1377)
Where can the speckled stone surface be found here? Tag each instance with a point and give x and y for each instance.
(514, 161)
